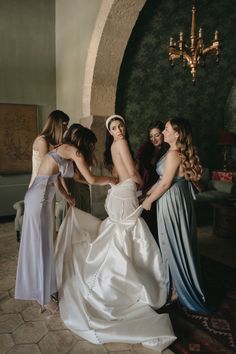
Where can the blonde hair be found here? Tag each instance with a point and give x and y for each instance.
(190, 161)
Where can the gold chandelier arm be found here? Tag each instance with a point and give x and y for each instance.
(174, 53)
(198, 52)
(193, 55)
(188, 58)
(211, 49)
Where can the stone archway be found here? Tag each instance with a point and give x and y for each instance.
(112, 30)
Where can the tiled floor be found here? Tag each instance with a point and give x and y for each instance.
(25, 330)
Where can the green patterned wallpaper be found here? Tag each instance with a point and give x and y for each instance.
(149, 89)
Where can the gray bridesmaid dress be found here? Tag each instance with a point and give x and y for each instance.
(36, 277)
(177, 234)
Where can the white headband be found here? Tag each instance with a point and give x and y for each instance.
(112, 117)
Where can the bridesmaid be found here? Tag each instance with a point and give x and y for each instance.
(175, 214)
(50, 136)
(36, 278)
(148, 155)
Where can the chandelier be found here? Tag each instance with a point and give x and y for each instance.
(196, 53)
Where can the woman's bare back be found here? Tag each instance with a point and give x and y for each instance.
(123, 162)
(48, 165)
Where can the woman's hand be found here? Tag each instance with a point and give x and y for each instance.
(141, 198)
(70, 200)
(139, 186)
(113, 180)
(146, 204)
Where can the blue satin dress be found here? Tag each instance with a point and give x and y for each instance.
(177, 234)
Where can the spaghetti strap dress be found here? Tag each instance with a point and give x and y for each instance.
(177, 234)
(36, 278)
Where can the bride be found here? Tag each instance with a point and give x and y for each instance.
(110, 273)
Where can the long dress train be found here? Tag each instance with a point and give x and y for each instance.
(177, 234)
(110, 275)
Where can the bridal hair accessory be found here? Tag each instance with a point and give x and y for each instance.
(112, 117)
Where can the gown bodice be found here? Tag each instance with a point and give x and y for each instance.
(122, 204)
(177, 180)
(160, 170)
(65, 166)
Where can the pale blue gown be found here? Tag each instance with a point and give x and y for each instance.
(177, 234)
(36, 278)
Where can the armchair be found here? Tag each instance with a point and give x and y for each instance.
(60, 209)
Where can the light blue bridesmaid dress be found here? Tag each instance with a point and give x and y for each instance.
(36, 277)
(177, 234)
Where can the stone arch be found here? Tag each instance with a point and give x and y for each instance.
(112, 30)
(113, 27)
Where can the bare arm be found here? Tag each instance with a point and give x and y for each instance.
(79, 178)
(63, 183)
(64, 191)
(172, 164)
(87, 174)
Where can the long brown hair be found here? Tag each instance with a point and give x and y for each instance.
(84, 140)
(190, 161)
(53, 129)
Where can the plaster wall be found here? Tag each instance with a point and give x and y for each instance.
(74, 27)
(27, 75)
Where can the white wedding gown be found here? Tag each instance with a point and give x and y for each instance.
(110, 275)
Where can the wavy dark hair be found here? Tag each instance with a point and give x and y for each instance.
(148, 148)
(190, 161)
(53, 128)
(72, 129)
(83, 139)
(107, 158)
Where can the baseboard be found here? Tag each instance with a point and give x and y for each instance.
(7, 218)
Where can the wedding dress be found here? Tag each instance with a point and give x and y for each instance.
(110, 275)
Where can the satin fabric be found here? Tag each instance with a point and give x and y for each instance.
(177, 234)
(110, 275)
(36, 161)
(36, 276)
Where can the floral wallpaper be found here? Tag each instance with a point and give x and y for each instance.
(149, 89)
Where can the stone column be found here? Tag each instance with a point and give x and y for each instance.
(98, 193)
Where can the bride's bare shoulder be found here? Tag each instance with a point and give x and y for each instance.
(119, 143)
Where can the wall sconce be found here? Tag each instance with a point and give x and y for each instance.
(226, 139)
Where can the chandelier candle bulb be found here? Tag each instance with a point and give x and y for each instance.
(216, 35)
(200, 33)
